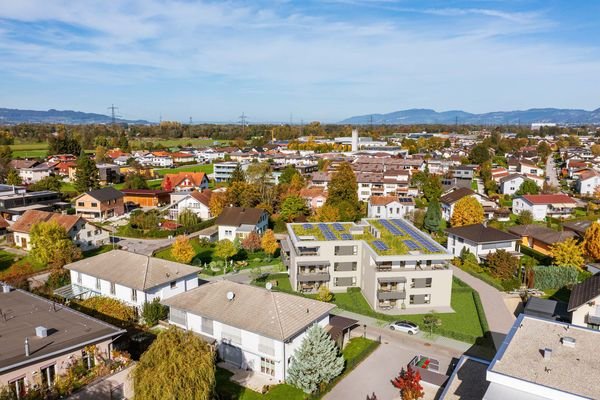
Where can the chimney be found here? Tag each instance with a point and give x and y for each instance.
(26, 346)
(547, 353)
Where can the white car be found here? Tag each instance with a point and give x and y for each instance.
(405, 326)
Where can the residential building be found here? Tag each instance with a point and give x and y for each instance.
(37, 173)
(225, 313)
(100, 204)
(544, 205)
(543, 359)
(510, 184)
(584, 303)
(449, 200)
(540, 238)
(186, 181)
(390, 207)
(84, 234)
(480, 240)
(129, 277)
(19, 199)
(464, 171)
(315, 197)
(195, 201)
(530, 168)
(183, 158)
(41, 339)
(467, 381)
(222, 171)
(366, 255)
(108, 173)
(146, 198)
(588, 182)
(579, 227)
(238, 222)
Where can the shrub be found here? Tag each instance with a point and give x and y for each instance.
(153, 311)
(107, 309)
(58, 278)
(511, 284)
(554, 277)
(324, 294)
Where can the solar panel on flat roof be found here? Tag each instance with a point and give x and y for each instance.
(338, 227)
(346, 236)
(379, 245)
(307, 226)
(411, 245)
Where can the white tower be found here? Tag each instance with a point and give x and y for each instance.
(354, 139)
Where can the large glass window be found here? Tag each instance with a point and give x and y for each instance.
(178, 316)
(18, 388)
(48, 375)
(207, 326)
(267, 366)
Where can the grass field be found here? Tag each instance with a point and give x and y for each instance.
(206, 168)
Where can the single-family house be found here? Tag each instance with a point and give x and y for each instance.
(129, 277)
(315, 197)
(37, 173)
(185, 181)
(390, 206)
(584, 303)
(449, 200)
(84, 234)
(480, 240)
(195, 201)
(100, 203)
(540, 238)
(544, 205)
(108, 173)
(530, 168)
(510, 184)
(240, 221)
(183, 158)
(588, 181)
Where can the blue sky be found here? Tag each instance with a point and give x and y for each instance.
(317, 60)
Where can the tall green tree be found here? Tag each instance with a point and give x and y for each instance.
(135, 181)
(287, 173)
(433, 217)
(177, 365)
(237, 175)
(86, 176)
(343, 193)
(13, 177)
(187, 218)
(479, 154)
(51, 245)
(292, 208)
(63, 143)
(315, 362)
(528, 187)
(52, 182)
(6, 157)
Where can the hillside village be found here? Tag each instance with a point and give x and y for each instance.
(471, 258)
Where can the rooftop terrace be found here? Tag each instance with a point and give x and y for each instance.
(385, 236)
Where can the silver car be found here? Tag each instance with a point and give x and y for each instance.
(405, 326)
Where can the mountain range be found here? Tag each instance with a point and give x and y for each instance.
(427, 116)
(14, 116)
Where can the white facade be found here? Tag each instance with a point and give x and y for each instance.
(84, 234)
(181, 201)
(393, 209)
(222, 171)
(541, 211)
(511, 186)
(231, 232)
(33, 175)
(587, 187)
(456, 245)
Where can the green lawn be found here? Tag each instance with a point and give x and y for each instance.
(206, 168)
(103, 249)
(227, 389)
(6, 259)
(29, 150)
(281, 279)
(563, 294)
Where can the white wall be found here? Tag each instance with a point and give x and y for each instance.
(538, 211)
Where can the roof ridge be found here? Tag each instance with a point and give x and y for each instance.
(146, 272)
(276, 305)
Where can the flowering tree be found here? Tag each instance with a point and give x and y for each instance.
(409, 384)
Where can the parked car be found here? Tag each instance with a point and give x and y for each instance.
(405, 326)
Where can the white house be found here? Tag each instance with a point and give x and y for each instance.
(37, 173)
(588, 181)
(449, 200)
(254, 328)
(584, 303)
(480, 240)
(510, 184)
(197, 202)
(129, 277)
(530, 168)
(83, 233)
(544, 205)
(239, 222)
(390, 206)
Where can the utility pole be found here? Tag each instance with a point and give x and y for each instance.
(190, 121)
(112, 109)
(243, 119)
(371, 122)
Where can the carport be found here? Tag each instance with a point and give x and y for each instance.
(339, 329)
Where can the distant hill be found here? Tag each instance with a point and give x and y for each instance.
(14, 116)
(427, 116)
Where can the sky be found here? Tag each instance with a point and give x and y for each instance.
(299, 61)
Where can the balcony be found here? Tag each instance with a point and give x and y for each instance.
(593, 318)
(314, 277)
(308, 251)
(386, 294)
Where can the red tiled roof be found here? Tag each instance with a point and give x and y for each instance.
(203, 197)
(548, 198)
(382, 200)
(31, 217)
(195, 177)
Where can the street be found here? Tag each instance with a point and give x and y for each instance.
(551, 172)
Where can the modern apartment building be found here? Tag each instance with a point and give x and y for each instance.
(222, 171)
(394, 264)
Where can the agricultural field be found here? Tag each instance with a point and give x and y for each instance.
(29, 150)
(206, 168)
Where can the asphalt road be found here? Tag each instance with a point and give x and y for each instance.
(551, 172)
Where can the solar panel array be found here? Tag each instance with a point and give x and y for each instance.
(416, 236)
(327, 232)
(393, 230)
(379, 245)
(411, 245)
(338, 227)
(346, 236)
(405, 200)
(307, 226)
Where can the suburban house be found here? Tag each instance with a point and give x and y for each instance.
(463, 171)
(37, 173)
(315, 197)
(185, 181)
(239, 222)
(146, 198)
(588, 181)
(41, 339)
(84, 234)
(540, 238)
(480, 240)
(449, 200)
(390, 206)
(225, 313)
(197, 202)
(533, 361)
(510, 184)
(584, 303)
(579, 227)
(530, 168)
(183, 158)
(100, 203)
(364, 255)
(544, 205)
(129, 277)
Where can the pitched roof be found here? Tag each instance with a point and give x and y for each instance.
(195, 177)
(578, 226)
(587, 174)
(132, 270)
(104, 194)
(237, 216)
(18, 164)
(542, 233)
(281, 315)
(154, 192)
(480, 233)
(548, 199)
(584, 292)
(456, 195)
(510, 177)
(31, 217)
(203, 196)
(312, 192)
(382, 200)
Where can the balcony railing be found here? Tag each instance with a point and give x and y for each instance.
(391, 295)
(314, 277)
(593, 318)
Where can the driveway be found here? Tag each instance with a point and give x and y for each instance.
(374, 374)
(499, 318)
(551, 172)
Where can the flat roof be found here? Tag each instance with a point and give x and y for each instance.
(68, 329)
(572, 370)
(467, 381)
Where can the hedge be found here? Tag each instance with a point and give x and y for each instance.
(543, 259)
(554, 277)
(128, 231)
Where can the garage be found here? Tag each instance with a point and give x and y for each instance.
(231, 354)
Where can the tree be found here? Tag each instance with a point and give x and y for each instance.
(324, 294)
(52, 182)
(591, 241)
(252, 242)
(287, 174)
(177, 365)
(218, 201)
(595, 148)
(237, 175)
(431, 321)
(187, 218)
(567, 253)
(525, 218)
(13, 177)
(167, 185)
(432, 187)
(528, 187)
(433, 217)
(467, 211)
(292, 208)
(182, 249)
(343, 193)
(544, 150)
(480, 154)
(50, 244)
(326, 213)
(408, 381)
(502, 264)
(315, 362)
(269, 243)
(5, 159)
(225, 249)
(63, 143)
(124, 143)
(107, 309)
(87, 176)
(100, 154)
(135, 181)
(153, 311)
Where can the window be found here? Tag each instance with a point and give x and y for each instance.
(94, 204)
(344, 282)
(419, 283)
(134, 295)
(420, 299)
(173, 285)
(89, 233)
(112, 288)
(79, 279)
(345, 266)
(48, 374)
(267, 366)
(18, 388)
(178, 316)
(378, 209)
(80, 204)
(228, 232)
(88, 359)
(207, 326)
(98, 284)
